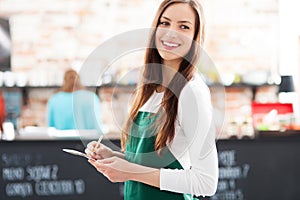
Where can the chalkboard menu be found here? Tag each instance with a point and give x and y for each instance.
(259, 169)
(41, 170)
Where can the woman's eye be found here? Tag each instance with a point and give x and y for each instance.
(184, 27)
(164, 23)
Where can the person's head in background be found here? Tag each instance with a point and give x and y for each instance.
(71, 81)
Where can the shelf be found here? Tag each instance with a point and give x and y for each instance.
(240, 85)
(235, 85)
(56, 86)
(287, 133)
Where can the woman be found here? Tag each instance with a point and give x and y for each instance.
(168, 141)
(74, 107)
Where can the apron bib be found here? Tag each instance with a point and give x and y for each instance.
(140, 150)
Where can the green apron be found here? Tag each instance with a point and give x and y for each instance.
(140, 150)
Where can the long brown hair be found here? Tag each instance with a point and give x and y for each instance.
(153, 76)
(71, 81)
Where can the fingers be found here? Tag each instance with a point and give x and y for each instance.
(93, 150)
(107, 161)
(89, 152)
(91, 145)
(110, 169)
(94, 156)
(98, 151)
(103, 163)
(99, 165)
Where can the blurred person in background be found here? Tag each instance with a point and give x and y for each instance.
(74, 107)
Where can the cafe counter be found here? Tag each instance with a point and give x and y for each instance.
(260, 168)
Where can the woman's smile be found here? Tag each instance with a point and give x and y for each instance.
(168, 45)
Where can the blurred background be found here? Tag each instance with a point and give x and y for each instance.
(254, 45)
(250, 42)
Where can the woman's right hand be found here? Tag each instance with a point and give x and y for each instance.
(98, 151)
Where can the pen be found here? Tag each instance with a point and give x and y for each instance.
(77, 153)
(98, 143)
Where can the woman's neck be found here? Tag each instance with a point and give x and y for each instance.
(169, 69)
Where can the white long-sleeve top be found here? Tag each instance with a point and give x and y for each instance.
(194, 142)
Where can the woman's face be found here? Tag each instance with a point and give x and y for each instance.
(175, 32)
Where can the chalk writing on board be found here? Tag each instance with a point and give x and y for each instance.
(22, 178)
(16, 159)
(230, 171)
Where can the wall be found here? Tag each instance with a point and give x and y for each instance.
(289, 48)
(51, 35)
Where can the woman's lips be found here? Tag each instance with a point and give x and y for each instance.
(170, 45)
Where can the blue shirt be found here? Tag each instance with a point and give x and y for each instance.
(74, 110)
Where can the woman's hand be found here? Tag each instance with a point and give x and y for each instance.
(117, 169)
(98, 152)
(114, 168)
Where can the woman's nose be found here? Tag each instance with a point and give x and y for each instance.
(171, 33)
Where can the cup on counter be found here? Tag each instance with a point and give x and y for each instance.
(8, 131)
(21, 79)
(9, 79)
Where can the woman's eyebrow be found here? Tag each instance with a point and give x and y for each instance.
(185, 21)
(166, 18)
(182, 21)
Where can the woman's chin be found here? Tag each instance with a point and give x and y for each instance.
(169, 56)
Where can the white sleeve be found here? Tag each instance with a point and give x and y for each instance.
(195, 116)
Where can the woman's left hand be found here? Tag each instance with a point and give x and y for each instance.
(120, 170)
(114, 168)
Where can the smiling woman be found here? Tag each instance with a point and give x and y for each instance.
(175, 34)
(169, 137)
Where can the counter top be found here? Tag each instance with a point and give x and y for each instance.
(44, 133)
(280, 134)
(41, 134)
